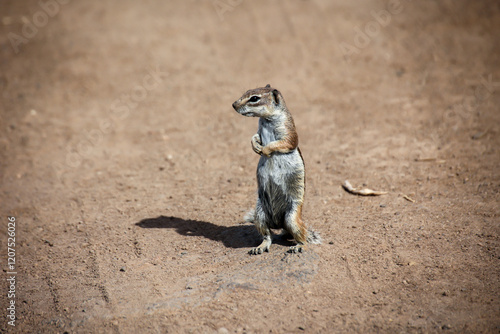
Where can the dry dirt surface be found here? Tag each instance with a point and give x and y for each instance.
(128, 172)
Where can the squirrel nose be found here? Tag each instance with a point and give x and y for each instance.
(234, 105)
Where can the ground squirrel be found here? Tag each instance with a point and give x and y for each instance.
(280, 172)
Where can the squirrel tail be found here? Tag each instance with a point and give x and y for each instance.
(313, 237)
(250, 216)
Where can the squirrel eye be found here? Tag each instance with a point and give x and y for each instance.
(254, 99)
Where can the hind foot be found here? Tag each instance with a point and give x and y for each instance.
(258, 250)
(297, 248)
(263, 247)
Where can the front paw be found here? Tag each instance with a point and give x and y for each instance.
(256, 144)
(266, 151)
(257, 148)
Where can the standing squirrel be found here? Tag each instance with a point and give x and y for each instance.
(280, 172)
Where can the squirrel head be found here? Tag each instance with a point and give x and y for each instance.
(260, 102)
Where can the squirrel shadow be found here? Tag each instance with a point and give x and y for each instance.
(240, 236)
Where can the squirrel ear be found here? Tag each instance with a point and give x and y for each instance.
(276, 96)
(268, 86)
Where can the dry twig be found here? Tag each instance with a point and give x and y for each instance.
(408, 198)
(362, 192)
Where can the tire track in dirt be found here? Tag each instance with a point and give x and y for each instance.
(137, 247)
(348, 269)
(91, 259)
(53, 289)
(94, 268)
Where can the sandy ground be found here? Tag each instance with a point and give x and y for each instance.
(128, 172)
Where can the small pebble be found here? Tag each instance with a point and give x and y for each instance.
(478, 135)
